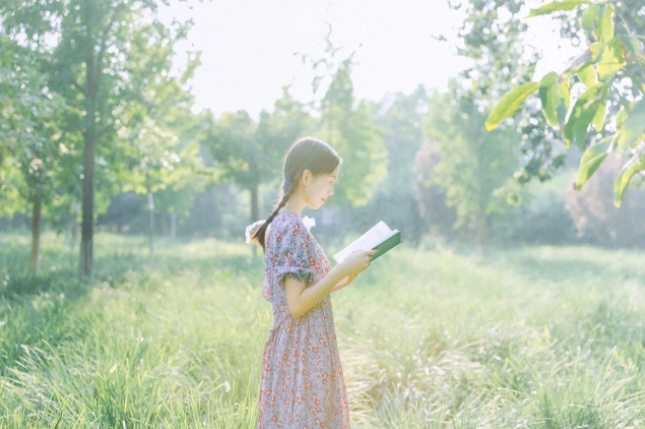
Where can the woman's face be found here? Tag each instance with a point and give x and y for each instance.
(320, 188)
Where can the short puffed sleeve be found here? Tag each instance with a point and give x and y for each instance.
(292, 252)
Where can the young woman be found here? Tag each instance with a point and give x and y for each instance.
(302, 382)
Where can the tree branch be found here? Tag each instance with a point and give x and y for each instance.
(103, 43)
(629, 32)
(105, 129)
(79, 87)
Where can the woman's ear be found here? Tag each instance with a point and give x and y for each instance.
(306, 177)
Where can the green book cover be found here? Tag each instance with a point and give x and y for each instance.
(386, 245)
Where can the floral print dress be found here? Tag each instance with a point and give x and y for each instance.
(302, 385)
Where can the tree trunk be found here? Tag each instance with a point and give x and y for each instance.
(90, 137)
(35, 233)
(151, 221)
(165, 225)
(75, 226)
(173, 225)
(87, 231)
(483, 232)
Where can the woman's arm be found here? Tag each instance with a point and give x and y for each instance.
(346, 281)
(301, 299)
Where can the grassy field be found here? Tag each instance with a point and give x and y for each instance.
(533, 338)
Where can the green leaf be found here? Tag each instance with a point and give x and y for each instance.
(620, 120)
(606, 27)
(596, 50)
(633, 166)
(612, 60)
(589, 17)
(591, 160)
(510, 103)
(633, 46)
(599, 118)
(620, 117)
(581, 116)
(547, 81)
(555, 98)
(558, 6)
(633, 125)
(588, 75)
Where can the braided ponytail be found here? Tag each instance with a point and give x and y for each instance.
(306, 154)
(259, 235)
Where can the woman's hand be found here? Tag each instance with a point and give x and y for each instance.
(357, 261)
(346, 281)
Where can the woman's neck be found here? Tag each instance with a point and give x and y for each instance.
(295, 206)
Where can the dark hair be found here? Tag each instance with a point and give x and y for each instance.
(307, 153)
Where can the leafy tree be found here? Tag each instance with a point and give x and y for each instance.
(435, 214)
(474, 167)
(93, 69)
(167, 165)
(400, 117)
(153, 166)
(188, 178)
(347, 125)
(35, 160)
(159, 137)
(609, 75)
(359, 142)
(250, 153)
(490, 22)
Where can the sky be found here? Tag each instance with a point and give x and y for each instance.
(248, 47)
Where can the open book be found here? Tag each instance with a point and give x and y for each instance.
(380, 235)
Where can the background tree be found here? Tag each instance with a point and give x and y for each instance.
(399, 116)
(474, 167)
(436, 216)
(153, 161)
(250, 153)
(347, 125)
(91, 68)
(608, 78)
(159, 135)
(33, 142)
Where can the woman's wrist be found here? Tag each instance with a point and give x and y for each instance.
(339, 272)
(342, 268)
(341, 284)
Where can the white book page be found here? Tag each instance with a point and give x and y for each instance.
(371, 238)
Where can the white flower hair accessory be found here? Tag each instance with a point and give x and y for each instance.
(250, 230)
(309, 222)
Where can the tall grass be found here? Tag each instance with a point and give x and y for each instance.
(533, 338)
